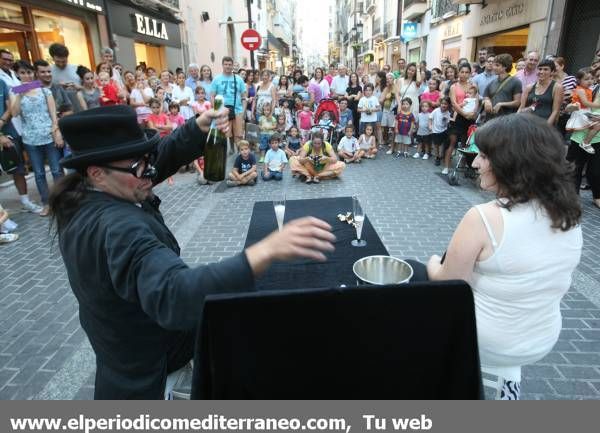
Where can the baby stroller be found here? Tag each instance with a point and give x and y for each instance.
(466, 155)
(329, 130)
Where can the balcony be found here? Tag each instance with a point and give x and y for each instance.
(171, 5)
(369, 6)
(441, 8)
(414, 9)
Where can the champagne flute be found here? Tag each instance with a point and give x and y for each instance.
(359, 219)
(279, 206)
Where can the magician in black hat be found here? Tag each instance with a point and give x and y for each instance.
(139, 303)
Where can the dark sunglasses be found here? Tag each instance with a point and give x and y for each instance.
(140, 168)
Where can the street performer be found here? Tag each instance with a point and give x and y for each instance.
(139, 303)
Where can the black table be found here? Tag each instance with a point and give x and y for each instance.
(302, 274)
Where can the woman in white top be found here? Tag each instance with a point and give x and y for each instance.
(408, 87)
(319, 79)
(265, 93)
(140, 97)
(184, 96)
(517, 252)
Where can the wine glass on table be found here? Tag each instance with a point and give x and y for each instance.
(359, 219)
(279, 206)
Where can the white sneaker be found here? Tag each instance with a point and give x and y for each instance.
(426, 156)
(8, 238)
(8, 226)
(389, 152)
(417, 155)
(445, 170)
(29, 206)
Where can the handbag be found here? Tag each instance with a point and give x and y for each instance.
(10, 159)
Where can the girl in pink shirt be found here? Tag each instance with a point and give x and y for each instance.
(305, 121)
(432, 94)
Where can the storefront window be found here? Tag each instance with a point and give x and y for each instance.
(451, 50)
(150, 55)
(52, 28)
(11, 13)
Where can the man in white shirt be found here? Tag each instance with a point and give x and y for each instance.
(6, 72)
(339, 84)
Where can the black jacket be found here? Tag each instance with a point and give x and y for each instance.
(137, 299)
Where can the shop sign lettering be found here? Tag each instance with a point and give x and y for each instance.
(452, 29)
(150, 27)
(86, 4)
(499, 15)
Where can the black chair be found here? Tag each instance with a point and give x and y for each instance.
(415, 341)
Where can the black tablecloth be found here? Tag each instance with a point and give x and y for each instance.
(411, 341)
(337, 270)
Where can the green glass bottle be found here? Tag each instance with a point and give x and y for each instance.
(215, 150)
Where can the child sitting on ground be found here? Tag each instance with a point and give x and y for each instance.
(367, 143)
(292, 142)
(275, 160)
(348, 149)
(267, 125)
(244, 167)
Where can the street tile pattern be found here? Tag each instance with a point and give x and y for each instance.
(44, 353)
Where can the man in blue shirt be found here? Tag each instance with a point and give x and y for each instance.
(486, 77)
(233, 90)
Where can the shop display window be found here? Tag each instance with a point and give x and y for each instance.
(52, 28)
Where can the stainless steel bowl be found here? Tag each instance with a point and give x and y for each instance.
(380, 270)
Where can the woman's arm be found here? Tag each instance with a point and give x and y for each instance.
(81, 100)
(15, 104)
(274, 96)
(56, 134)
(464, 249)
(558, 95)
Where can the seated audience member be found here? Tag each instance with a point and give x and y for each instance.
(244, 167)
(317, 161)
(275, 159)
(518, 251)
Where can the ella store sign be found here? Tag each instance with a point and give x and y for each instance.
(150, 27)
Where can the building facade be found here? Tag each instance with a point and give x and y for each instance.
(145, 32)
(29, 27)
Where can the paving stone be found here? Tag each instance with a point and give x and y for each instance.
(411, 206)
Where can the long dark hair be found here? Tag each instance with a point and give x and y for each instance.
(65, 198)
(527, 159)
(414, 65)
(382, 80)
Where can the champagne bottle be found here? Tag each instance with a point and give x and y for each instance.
(215, 150)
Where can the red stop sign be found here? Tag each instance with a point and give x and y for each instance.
(251, 40)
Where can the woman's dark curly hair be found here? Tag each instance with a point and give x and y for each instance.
(527, 158)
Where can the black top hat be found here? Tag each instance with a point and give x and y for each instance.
(105, 134)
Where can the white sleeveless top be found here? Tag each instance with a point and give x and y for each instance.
(518, 289)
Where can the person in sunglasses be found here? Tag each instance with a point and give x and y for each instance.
(139, 303)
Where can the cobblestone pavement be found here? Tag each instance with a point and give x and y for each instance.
(44, 354)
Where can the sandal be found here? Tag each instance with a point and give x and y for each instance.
(588, 148)
(308, 179)
(45, 211)
(316, 179)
